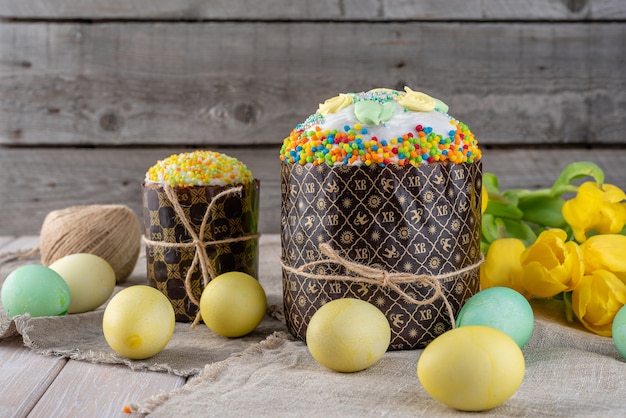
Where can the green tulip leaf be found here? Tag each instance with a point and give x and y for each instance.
(500, 228)
(519, 230)
(542, 210)
(499, 206)
(490, 181)
(575, 171)
(569, 310)
(489, 228)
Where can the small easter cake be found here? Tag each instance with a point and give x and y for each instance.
(381, 202)
(200, 220)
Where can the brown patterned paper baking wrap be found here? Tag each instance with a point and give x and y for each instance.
(423, 220)
(234, 215)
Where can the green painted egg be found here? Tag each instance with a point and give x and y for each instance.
(502, 308)
(36, 290)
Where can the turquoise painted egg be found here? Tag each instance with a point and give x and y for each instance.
(501, 308)
(36, 290)
(619, 331)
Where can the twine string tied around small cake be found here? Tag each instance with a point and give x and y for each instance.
(376, 276)
(200, 254)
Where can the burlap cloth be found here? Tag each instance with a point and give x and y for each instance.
(569, 371)
(80, 337)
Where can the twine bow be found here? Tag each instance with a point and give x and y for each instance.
(200, 254)
(372, 275)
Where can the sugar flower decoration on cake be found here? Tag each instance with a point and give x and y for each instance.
(544, 246)
(416, 101)
(380, 127)
(371, 112)
(334, 104)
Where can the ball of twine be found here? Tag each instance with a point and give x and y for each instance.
(108, 231)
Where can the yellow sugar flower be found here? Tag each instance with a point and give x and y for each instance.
(551, 265)
(596, 207)
(502, 266)
(606, 252)
(596, 301)
(416, 101)
(334, 104)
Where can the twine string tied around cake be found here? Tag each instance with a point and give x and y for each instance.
(200, 256)
(377, 276)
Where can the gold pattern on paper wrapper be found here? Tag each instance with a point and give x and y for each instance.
(233, 216)
(421, 220)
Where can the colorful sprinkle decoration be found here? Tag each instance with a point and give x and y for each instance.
(319, 140)
(199, 168)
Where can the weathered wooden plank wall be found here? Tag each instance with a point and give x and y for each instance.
(341, 10)
(92, 93)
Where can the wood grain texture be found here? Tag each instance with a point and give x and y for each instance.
(342, 10)
(93, 390)
(251, 83)
(39, 181)
(23, 386)
(50, 179)
(4, 240)
(19, 244)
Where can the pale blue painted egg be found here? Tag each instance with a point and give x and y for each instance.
(619, 331)
(502, 308)
(36, 290)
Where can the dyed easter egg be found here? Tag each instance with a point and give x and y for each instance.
(348, 335)
(36, 290)
(472, 368)
(90, 278)
(138, 322)
(502, 308)
(233, 304)
(619, 331)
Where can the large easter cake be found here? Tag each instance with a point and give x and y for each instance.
(381, 202)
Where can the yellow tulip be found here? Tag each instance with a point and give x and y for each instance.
(607, 252)
(597, 208)
(596, 301)
(484, 199)
(551, 265)
(502, 265)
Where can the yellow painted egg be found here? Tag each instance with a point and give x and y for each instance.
(348, 335)
(138, 322)
(91, 280)
(472, 368)
(233, 304)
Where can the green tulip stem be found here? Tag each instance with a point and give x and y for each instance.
(569, 311)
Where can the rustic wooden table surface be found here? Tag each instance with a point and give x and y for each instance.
(92, 93)
(47, 386)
